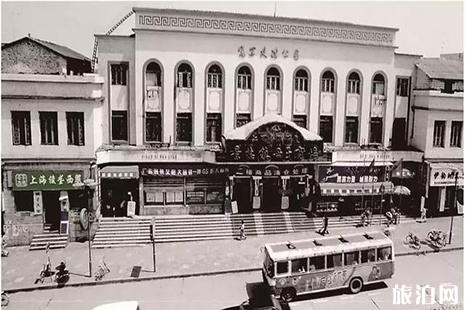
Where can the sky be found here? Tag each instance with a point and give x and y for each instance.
(425, 28)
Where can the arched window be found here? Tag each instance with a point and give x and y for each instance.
(273, 79)
(153, 75)
(215, 77)
(327, 82)
(378, 85)
(353, 85)
(184, 76)
(301, 81)
(244, 78)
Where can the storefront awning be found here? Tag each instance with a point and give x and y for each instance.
(120, 172)
(355, 189)
(446, 174)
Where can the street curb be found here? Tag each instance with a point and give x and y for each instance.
(199, 274)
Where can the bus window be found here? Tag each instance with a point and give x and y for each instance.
(384, 253)
(351, 258)
(299, 265)
(334, 260)
(282, 267)
(317, 263)
(368, 256)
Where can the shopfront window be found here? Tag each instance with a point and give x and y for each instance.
(24, 201)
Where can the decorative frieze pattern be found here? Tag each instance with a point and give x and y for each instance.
(265, 28)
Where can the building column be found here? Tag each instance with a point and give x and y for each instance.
(256, 200)
(285, 198)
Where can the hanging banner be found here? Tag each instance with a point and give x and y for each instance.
(341, 174)
(46, 180)
(38, 205)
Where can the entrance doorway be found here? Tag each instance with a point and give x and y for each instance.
(115, 195)
(271, 195)
(242, 193)
(51, 203)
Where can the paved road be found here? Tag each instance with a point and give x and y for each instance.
(223, 291)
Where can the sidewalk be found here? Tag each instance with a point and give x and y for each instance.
(21, 268)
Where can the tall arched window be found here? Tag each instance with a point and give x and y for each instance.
(352, 108)
(273, 79)
(184, 104)
(153, 100)
(327, 82)
(378, 103)
(301, 98)
(327, 106)
(244, 96)
(214, 103)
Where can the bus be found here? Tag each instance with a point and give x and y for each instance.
(327, 263)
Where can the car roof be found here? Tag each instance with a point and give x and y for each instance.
(122, 305)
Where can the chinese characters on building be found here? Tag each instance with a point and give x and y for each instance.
(39, 180)
(273, 53)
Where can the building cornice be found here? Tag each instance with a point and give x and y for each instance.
(262, 26)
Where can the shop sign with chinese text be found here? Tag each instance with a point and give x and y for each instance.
(172, 172)
(340, 174)
(46, 180)
(446, 176)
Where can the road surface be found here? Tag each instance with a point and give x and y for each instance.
(225, 291)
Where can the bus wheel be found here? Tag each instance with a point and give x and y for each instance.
(355, 285)
(288, 294)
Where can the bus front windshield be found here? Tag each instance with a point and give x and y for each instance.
(268, 265)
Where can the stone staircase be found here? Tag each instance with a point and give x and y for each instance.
(122, 232)
(52, 237)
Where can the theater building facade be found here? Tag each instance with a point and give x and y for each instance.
(208, 112)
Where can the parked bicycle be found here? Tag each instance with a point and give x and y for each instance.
(102, 270)
(413, 241)
(5, 299)
(437, 238)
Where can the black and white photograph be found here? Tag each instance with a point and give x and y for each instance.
(232, 155)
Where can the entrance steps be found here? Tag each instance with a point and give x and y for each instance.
(116, 232)
(56, 241)
(122, 232)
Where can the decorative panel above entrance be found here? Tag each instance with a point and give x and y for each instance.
(272, 138)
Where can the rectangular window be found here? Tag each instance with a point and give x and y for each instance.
(402, 87)
(384, 254)
(185, 79)
(456, 134)
(175, 197)
(119, 125)
(301, 84)
(351, 129)
(299, 265)
(244, 81)
(282, 267)
(376, 129)
(272, 82)
(153, 127)
(119, 74)
(24, 201)
(438, 134)
(351, 258)
(75, 127)
(354, 87)
(334, 260)
(215, 80)
(368, 256)
(21, 126)
(327, 85)
(326, 128)
(242, 119)
(213, 127)
(184, 127)
(317, 263)
(300, 120)
(48, 128)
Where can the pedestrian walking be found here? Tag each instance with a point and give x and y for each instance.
(324, 229)
(389, 217)
(242, 232)
(423, 215)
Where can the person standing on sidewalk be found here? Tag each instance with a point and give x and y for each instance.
(242, 232)
(324, 229)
